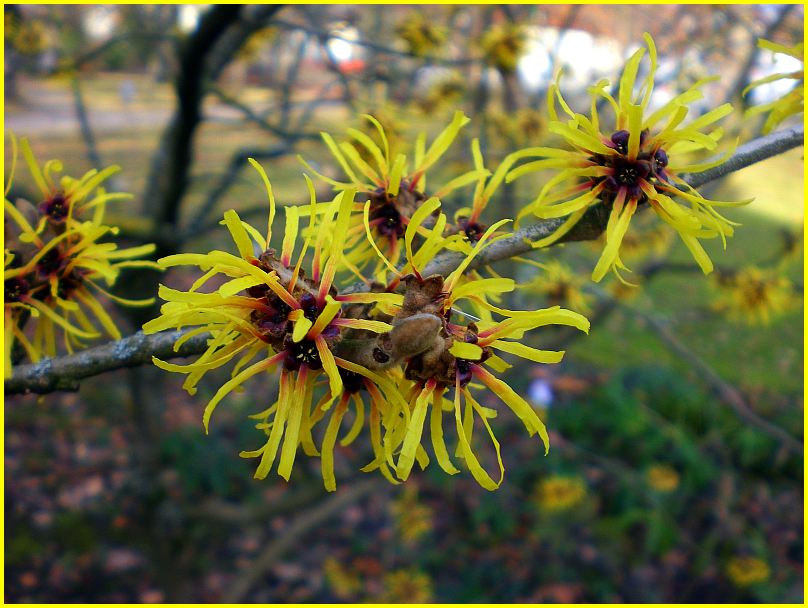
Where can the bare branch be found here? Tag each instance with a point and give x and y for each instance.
(64, 373)
(84, 122)
(723, 389)
(752, 152)
(298, 527)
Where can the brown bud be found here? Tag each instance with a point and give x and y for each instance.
(414, 334)
(422, 296)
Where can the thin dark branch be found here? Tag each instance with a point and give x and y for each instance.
(723, 389)
(259, 120)
(170, 169)
(323, 35)
(99, 50)
(237, 163)
(84, 123)
(293, 533)
(742, 79)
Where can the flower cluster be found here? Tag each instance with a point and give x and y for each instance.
(355, 307)
(420, 34)
(754, 295)
(55, 257)
(503, 45)
(635, 163)
(559, 493)
(387, 356)
(746, 570)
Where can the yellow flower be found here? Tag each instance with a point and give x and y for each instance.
(792, 102)
(754, 295)
(412, 518)
(54, 264)
(393, 186)
(559, 493)
(344, 583)
(290, 320)
(421, 34)
(662, 478)
(258, 40)
(27, 36)
(66, 199)
(631, 165)
(447, 91)
(560, 285)
(406, 587)
(460, 355)
(503, 45)
(641, 244)
(745, 571)
(467, 219)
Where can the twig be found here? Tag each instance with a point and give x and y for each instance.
(84, 123)
(752, 152)
(742, 79)
(322, 34)
(107, 45)
(298, 528)
(725, 391)
(65, 372)
(237, 163)
(168, 180)
(260, 121)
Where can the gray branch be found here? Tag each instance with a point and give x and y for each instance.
(64, 373)
(752, 152)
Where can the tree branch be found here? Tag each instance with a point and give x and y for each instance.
(298, 527)
(752, 152)
(169, 175)
(724, 390)
(64, 373)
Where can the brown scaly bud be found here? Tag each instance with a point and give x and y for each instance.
(422, 296)
(414, 335)
(410, 337)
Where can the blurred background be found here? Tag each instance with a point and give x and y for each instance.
(664, 482)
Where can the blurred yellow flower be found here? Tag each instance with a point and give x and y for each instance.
(662, 478)
(447, 91)
(559, 493)
(413, 519)
(503, 45)
(520, 128)
(746, 570)
(560, 285)
(343, 582)
(421, 34)
(406, 587)
(754, 295)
